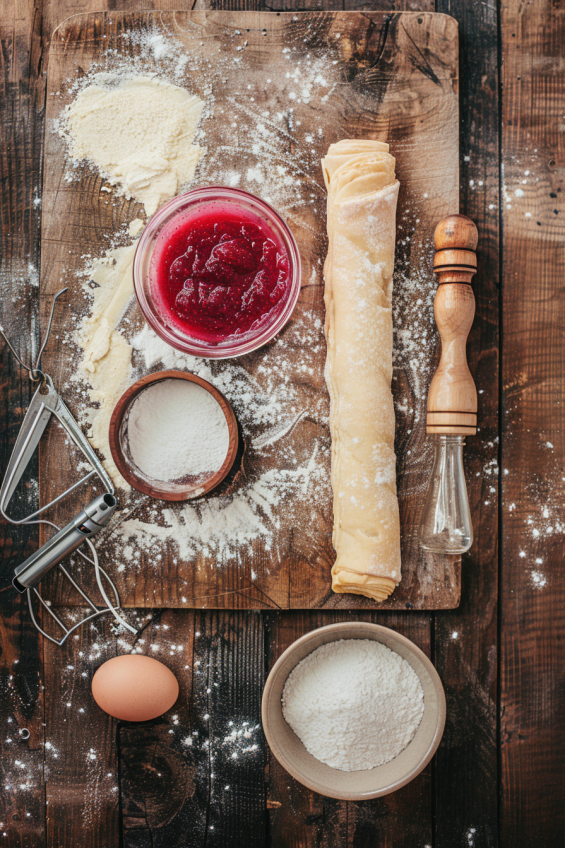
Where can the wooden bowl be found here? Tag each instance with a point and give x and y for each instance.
(353, 785)
(159, 489)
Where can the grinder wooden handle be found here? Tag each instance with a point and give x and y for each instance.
(452, 399)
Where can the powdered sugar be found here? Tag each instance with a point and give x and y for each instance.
(355, 704)
(177, 429)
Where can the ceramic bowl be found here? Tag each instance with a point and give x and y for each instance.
(355, 785)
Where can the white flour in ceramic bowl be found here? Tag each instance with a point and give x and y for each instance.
(354, 704)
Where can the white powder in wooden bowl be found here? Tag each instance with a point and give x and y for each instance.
(354, 704)
(177, 429)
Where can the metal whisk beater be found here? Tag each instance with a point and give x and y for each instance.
(27, 576)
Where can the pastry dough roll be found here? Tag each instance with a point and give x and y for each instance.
(362, 196)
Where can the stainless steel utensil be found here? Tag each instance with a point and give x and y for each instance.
(45, 403)
(30, 572)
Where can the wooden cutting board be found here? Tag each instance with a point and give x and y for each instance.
(386, 76)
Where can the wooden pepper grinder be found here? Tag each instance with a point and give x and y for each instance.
(452, 399)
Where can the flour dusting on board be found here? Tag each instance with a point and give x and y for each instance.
(280, 150)
(273, 153)
(266, 401)
(224, 525)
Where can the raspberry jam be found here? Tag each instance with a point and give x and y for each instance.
(220, 272)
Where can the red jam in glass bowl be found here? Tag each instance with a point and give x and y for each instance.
(217, 272)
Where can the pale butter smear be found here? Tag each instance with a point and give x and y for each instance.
(139, 133)
(106, 355)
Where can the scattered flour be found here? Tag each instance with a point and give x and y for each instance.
(539, 580)
(279, 399)
(223, 525)
(241, 738)
(355, 704)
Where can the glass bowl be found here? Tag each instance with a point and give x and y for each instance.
(148, 296)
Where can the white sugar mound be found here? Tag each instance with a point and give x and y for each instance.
(177, 429)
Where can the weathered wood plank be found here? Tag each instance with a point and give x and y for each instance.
(465, 644)
(200, 781)
(400, 820)
(56, 11)
(22, 809)
(532, 623)
(80, 742)
(407, 65)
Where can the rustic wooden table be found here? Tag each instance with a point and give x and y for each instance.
(73, 778)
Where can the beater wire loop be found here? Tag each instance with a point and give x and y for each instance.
(35, 373)
(46, 402)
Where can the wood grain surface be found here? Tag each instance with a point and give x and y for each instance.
(532, 613)
(211, 791)
(522, 723)
(465, 641)
(407, 64)
(22, 88)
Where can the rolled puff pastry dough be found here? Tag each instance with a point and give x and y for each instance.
(362, 195)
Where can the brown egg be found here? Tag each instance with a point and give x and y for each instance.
(134, 688)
